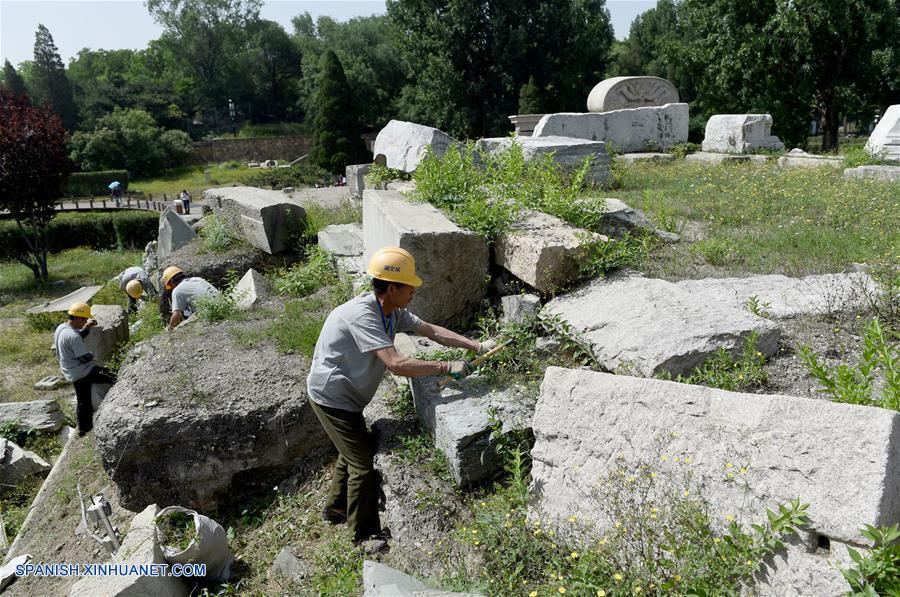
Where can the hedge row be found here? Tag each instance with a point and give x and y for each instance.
(97, 230)
(88, 184)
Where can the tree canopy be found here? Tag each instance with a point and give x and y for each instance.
(49, 82)
(337, 139)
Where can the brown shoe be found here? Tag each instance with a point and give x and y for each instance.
(332, 516)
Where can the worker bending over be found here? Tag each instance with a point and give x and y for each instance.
(355, 347)
(77, 363)
(135, 281)
(183, 294)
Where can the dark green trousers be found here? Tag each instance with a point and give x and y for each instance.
(354, 487)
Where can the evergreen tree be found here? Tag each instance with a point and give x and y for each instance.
(337, 139)
(49, 81)
(12, 80)
(530, 101)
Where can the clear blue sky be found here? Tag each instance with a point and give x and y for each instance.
(115, 24)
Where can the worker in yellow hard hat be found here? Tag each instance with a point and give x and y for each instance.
(135, 281)
(355, 347)
(77, 363)
(182, 294)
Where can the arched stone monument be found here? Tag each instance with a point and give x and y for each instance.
(619, 93)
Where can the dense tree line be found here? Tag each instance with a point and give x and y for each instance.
(465, 65)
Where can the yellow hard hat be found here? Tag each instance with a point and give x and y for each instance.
(80, 310)
(134, 289)
(393, 264)
(169, 273)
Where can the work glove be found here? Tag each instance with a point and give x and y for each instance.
(486, 346)
(459, 369)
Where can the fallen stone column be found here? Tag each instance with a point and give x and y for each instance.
(404, 144)
(568, 152)
(646, 326)
(797, 158)
(41, 415)
(452, 262)
(747, 452)
(111, 331)
(265, 219)
(174, 233)
(740, 133)
(887, 173)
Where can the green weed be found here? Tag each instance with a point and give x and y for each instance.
(318, 217)
(420, 450)
(723, 371)
(304, 279)
(758, 307)
(217, 237)
(858, 156)
(379, 175)
(877, 571)
(856, 384)
(176, 530)
(400, 402)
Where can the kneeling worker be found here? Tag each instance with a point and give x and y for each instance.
(184, 293)
(355, 347)
(135, 281)
(77, 363)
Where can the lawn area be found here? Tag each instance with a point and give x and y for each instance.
(192, 178)
(750, 218)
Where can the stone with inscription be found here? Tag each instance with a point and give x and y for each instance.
(619, 93)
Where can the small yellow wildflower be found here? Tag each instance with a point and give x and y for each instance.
(740, 376)
(687, 460)
(677, 578)
(729, 518)
(636, 590)
(573, 518)
(478, 543)
(601, 593)
(574, 555)
(686, 492)
(750, 562)
(716, 539)
(550, 533)
(729, 465)
(618, 524)
(559, 577)
(631, 479)
(562, 589)
(676, 459)
(617, 576)
(743, 471)
(603, 541)
(730, 475)
(652, 475)
(532, 594)
(664, 458)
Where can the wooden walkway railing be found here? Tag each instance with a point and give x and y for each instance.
(89, 203)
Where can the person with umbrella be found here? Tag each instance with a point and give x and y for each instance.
(115, 188)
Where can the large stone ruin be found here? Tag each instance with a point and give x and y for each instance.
(568, 152)
(620, 93)
(740, 133)
(885, 139)
(404, 144)
(194, 417)
(110, 332)
(174, 233)
(747, 452)
(452, 262)
(265, 219)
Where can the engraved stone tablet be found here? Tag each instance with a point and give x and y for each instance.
(619, 93)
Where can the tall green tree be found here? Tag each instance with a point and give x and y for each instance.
(34, 167)
(12, 80)
(470, 58)
(49, 82)
(337, 139)
(275, 68)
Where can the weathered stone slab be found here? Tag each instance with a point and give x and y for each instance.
(543, 251)
(42, 415)
(174, 233)
(776, 448)
(17, 463)
(50, 382)
(452, 262)
(331, 198)
(888, 173)
(525, 123)
(342, 239)
(740, 133)
(646, 326)
(715, 159)
(290, 565)
(403, 144)
(265, 219)
(458, 419)
(568, 152)
(650, 156)
(620, 218)
(402, 186)
(619, 93)
(629, 130)
(885, 139)
(356, 179)
(797, 158)
(111, 331)
(519, 308)
(383, 581)
(252, 289)
(140, 546)
(780, 296)
(82, 295)
(247, 404)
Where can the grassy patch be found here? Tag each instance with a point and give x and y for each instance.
(726, 372)
(305, 278)
(759, 218)
(217, 237)
(176, 530)
(192, 179)
(318, 217)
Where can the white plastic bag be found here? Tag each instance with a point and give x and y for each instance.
(209, 545)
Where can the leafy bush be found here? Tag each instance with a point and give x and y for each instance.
(858, 156)
(856, 384)
(129, 138)
(379, 175)
(98, 230)
(88, 184)
(680, 150)
(217, 237)
(303, 279)
(876, 572)
(723, 371)
(272, 129)
(301, 174)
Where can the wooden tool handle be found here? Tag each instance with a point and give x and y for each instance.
(442, 383)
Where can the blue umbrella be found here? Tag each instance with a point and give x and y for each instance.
(114, 184)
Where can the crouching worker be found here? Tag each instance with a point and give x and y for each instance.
(134, 281)
(355, 347)
(183, 294)
(77, 363)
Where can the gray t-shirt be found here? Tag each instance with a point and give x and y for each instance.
(185, 295)
(134, 273)
(69, 346)
(345, 371)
